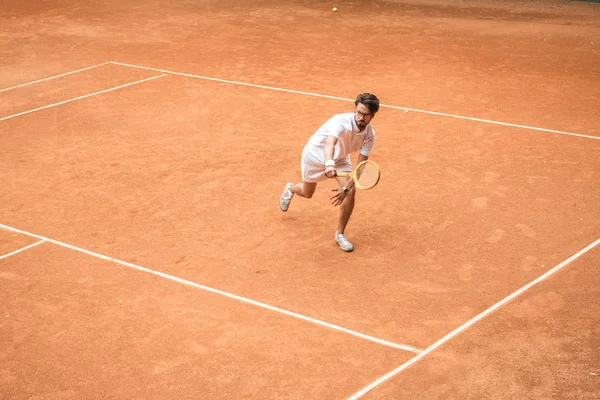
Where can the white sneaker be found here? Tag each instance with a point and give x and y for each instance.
(344, 244)
(286, 197)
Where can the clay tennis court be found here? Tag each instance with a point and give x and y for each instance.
(144, 146)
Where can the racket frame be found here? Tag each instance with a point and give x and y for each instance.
(354, 174)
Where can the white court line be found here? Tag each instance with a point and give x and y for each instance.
(472, 321)
(53, 77)
(81, 97)
(489, 121)
(23, 249)
(217, 291)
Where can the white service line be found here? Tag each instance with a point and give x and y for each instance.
(232, 82)
(22, 249)
(53, 77)
(81, 97)
(472, 321)
(489, 121)
(217, 291)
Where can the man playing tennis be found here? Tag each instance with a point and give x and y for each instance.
(328, 152)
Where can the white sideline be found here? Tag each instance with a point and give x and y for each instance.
(21, 249)
(217, 291)
(81, 97)
(472, 321)
(52, 77)
(489, 121)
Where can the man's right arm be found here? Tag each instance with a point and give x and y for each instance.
(329, 153)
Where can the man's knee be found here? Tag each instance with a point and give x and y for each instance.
(308, 189)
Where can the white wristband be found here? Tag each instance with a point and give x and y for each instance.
(330, 163)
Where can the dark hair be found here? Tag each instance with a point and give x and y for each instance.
(369, 100)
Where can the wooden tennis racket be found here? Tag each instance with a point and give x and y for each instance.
(366, 175)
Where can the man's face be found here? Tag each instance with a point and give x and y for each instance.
(362, 116)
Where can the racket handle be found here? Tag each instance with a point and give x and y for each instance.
(343, 174)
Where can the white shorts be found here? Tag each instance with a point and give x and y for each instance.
(313, 169)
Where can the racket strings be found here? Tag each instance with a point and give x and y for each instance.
(367, 176)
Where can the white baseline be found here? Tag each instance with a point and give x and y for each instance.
(81, 97)
(472, 321)
(488, 121)
(21, 249)
(217, 291)
(52, 77)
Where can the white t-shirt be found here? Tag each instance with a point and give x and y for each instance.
(350, 138)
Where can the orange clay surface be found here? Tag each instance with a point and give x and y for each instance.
(182, 175)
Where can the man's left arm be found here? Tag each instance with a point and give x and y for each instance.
(361, 158)
(350, 184)
(366, 147)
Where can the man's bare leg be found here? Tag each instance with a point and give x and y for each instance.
(304, 189)
(346, 209)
